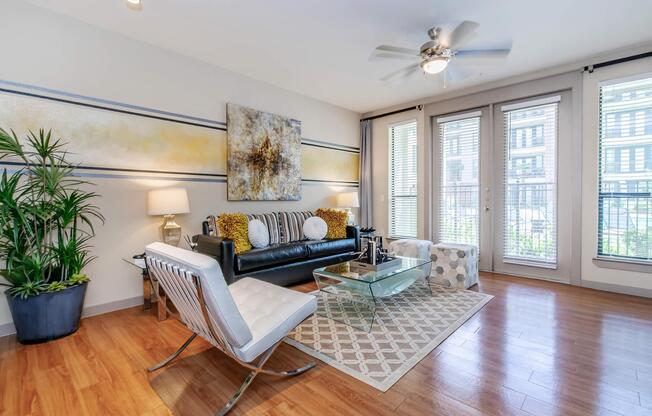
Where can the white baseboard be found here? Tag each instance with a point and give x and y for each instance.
(625, 290)
(8, 329)
(112, 306)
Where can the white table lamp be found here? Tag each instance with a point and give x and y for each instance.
(168, 202)
(348, 200)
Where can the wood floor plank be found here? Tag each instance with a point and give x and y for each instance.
(537, 348)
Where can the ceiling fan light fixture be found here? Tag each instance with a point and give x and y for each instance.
(434, 65)
(136, 5)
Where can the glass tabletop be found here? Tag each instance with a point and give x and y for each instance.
(140, 262)
(348, 270)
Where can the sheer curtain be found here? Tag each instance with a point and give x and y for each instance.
(366, 215)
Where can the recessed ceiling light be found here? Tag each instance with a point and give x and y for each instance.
(135, 4)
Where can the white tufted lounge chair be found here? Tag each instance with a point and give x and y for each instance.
(246, 320)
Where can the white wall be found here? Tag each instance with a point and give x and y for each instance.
(49, 50)
(592, 274)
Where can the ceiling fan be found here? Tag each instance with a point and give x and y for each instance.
(439, 52)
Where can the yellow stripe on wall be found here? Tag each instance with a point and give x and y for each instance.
(318, 163)
(113, 140)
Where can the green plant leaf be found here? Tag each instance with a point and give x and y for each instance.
(47, 217)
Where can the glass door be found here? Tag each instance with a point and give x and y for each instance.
(530, 229)
(461, 192)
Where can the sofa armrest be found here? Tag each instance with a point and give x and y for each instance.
(353, 231)
(222, 249)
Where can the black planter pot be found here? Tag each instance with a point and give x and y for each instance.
(47, 316)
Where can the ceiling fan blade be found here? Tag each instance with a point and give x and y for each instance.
(461, 34)
(385, 55)
(397, 50)
(401, 73)
(483, 54)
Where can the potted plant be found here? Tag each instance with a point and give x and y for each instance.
(46, 224)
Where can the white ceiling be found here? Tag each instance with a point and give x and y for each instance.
(322, 48)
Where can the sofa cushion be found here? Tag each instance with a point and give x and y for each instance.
(235, 227)
(261, 258)
(315, 228)
(292, 225)
(323, 248)
(336, 221)
(271, 222)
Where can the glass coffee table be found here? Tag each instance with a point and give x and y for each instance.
(350, 294)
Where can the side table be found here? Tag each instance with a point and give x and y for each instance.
(152, 292)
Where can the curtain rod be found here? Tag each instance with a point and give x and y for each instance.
(590, 68)
(414, 107)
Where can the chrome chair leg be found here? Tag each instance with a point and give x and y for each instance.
(290, 373)
(257, 369)
(173, 356)
(234, 399)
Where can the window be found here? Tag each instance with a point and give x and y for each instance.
(530, 174)
(403, 180)
(458, 190)
(625, 170)
(524, 137)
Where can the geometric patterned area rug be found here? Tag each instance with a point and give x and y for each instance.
(407, 327)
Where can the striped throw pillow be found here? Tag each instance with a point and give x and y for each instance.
(271, 222)
(292, 225)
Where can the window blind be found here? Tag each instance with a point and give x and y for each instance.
(530, 183)
(625, 170)
(459, 184)
(403, 180)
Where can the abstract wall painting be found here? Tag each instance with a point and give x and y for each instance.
(263, 156)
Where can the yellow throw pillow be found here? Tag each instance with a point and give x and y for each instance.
(336, 221)
(235, 227)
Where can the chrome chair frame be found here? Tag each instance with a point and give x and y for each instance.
(167, 273)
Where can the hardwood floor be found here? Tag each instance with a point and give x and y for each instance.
(538, 348)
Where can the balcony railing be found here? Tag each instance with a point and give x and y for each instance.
(459, 214)
(530, 222)
(625, 224)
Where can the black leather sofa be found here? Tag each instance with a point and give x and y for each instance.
(282, 264)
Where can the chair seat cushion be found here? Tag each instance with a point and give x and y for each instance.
(323, 248)
(270, 311)
(266, 257)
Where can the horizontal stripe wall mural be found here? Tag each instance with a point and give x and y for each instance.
(112, 138)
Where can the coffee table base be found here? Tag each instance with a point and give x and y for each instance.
(355, 305)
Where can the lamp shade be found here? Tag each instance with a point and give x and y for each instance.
(348, 200)
(167, 201)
